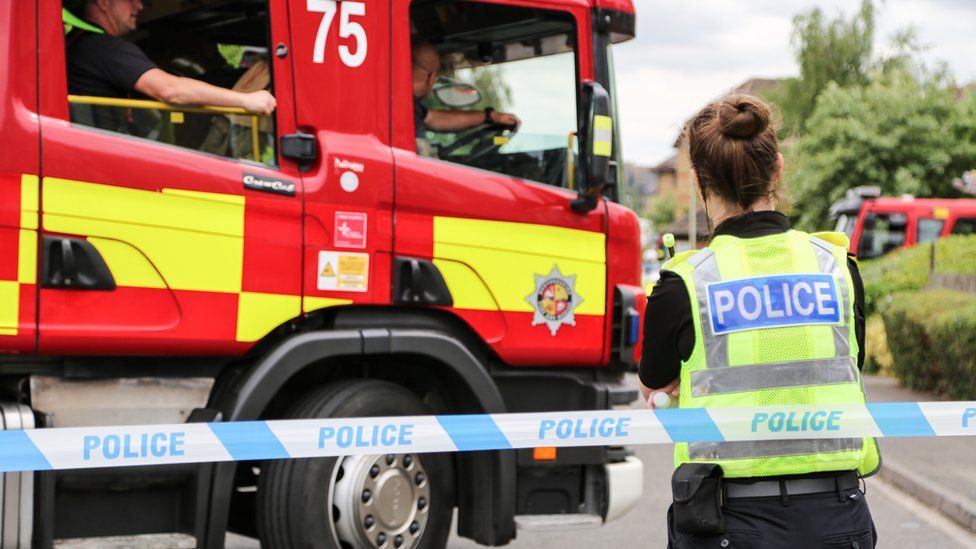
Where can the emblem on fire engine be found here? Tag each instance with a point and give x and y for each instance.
(554, 300)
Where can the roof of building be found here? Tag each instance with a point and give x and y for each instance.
(679, 227)
(668, 166)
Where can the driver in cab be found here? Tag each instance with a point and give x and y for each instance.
(426, 65)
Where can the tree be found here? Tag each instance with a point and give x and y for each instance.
(905, 132)
(663, 210)
(837, 51)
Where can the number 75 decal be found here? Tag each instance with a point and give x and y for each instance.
(347, 28)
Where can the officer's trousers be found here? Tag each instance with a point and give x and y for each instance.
(830, 519)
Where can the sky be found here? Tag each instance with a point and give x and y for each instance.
(687, 53)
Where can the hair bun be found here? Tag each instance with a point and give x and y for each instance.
(742, 116)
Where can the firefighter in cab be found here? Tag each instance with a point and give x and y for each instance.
(764, 316)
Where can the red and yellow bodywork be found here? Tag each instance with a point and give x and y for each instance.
(206, 266)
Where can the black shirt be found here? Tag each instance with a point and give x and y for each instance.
(669, 333)
(103, 65)
(419, 115)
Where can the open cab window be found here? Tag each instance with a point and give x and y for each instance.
(514, 60)
(220, 42)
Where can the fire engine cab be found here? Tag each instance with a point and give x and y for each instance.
(878, 225)
(334, 259)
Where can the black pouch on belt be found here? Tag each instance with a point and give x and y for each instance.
(697, 492)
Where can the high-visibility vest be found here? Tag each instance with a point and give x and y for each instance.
(774, 326)
(72, 21)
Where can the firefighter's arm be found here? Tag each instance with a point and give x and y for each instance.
(447, 121)
(165, 87)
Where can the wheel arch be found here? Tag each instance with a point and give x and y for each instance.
(485, 515)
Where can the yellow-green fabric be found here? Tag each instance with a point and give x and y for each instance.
(72, 21)
(807, 364)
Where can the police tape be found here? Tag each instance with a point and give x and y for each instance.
(87, 447)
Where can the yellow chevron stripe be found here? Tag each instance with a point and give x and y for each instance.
(310, 303)
(258, 314)
(9, 307)
(27, 257)
(507, 256)
(28, 201)
(195, 240)
(468, 291)
(129, 267)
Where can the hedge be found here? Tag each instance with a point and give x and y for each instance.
(932, 338)
(877, 357)
(908, 268)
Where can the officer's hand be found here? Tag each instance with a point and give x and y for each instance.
(671, 389)
(505, 119)
(259, 102)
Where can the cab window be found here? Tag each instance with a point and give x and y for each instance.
(964, 225)
(929, 229)
(845, 224)
(224, 44)
(882, 233)
(512, 60)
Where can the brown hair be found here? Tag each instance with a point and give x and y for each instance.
(734, 150)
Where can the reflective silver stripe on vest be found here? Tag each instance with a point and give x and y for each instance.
(705, 273)
(771, 448)
(776, 375)
(828, 264)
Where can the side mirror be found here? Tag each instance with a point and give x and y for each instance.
(455, 94)
(596, 145)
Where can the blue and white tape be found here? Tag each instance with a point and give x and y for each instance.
(85, 447)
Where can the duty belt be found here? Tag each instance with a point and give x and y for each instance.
(792, 487)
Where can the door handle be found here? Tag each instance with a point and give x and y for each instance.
(301, 147)
(69, 269)
(73, 263)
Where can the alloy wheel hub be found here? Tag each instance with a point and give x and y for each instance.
(381, 502)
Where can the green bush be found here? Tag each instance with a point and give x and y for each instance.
(877, 357)
(932, 338)
(908, 268)
(956, 255)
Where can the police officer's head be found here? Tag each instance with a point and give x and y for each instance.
(734, 155)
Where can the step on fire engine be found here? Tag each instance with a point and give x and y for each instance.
(197, 264)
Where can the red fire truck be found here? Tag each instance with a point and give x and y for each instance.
(204, 265)
(877, 225)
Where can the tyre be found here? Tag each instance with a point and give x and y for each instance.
(402, 501)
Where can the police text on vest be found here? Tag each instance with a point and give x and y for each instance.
(773, 301)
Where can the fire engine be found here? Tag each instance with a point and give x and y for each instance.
(878, 225)
(200, 264)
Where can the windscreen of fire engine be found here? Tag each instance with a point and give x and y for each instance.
(882, 233)
(520, 61)
(223, 43)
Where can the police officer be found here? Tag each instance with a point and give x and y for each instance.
(764, 316)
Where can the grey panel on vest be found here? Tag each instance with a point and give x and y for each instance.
(771, 448)
(776, 375)
(828, 264)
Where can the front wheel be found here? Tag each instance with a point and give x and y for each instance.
(401, 501)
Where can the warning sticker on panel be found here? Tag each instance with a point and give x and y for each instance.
(343, 271)
(350, 229)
